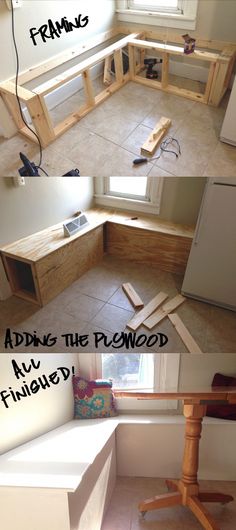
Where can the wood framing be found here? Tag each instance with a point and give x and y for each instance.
(221, 65)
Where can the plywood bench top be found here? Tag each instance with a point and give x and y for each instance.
(36, 246)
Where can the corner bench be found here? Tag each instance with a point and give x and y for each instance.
(64, 479)
(42, 265)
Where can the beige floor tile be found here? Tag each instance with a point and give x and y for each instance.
(83, 306)
(123, 510)
(112, 318)
(223, 163)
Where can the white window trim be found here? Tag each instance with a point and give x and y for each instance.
(155, 187)
(185, 20)
(166, 366)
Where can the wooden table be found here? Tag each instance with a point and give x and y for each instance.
(186, 491)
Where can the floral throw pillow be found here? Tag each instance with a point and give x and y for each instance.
(93, 399)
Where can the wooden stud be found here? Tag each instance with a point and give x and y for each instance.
(183, 332)
(9, 87)
(209, 82)
(13, 107)
(138, 319)
(154, 139)
(162, 313)
(174, 50)
(41, 120)
(219, 83)
(107, 76)
(88, 86)
(132, 63)
(132, 295)
(118, 60)
(165, 70)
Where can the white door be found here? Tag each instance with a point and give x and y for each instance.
(211, 269)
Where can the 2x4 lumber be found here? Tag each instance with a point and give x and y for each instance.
(41, 120)
(165, 70)
(171, 89)
(167, 35)
(138, 319)
(8, 87)
(209, 82)
(218, 84)
(13, 107)
(28, 134)
(75, 71)
(184, 334)
(118, 60)
(107, 71)
(88, 86)
(132, 63)
(175, 50)
(150, 146)
(133, 297)
(62, 58)
(162, 313)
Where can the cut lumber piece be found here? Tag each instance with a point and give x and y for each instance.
(162, 313)
(132, 295)
(184, 334)
(138, 319)
(149, 147)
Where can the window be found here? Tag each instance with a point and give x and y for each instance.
(132, 193)
(173, 6)
(147, 372)
(165, 13)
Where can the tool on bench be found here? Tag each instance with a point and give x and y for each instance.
(150, 63)
(163, 148)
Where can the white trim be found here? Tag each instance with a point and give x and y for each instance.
(155, 188)
(186, 20)
(166, 377)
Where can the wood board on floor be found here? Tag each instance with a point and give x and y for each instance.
(184, 334)
(133, 297)
(154, 139)
(138, 319)
(162, 313)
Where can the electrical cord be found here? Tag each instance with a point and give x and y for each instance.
(16, 89)
(163, 148)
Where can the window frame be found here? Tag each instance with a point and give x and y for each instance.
(150, 7)
(166, 378)
(150, 205)
(186, 19)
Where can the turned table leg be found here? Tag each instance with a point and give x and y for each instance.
(186, 491)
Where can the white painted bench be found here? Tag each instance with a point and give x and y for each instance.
(64, 479)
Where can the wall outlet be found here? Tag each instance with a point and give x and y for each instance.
(14, 4)
(19, 181)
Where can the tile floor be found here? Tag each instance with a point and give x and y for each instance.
(123, 513)
(96, 303)
(106, 141)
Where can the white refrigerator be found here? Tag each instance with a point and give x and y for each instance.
(228, 131)
(211, 270)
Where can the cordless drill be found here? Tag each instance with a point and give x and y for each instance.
(150, 63)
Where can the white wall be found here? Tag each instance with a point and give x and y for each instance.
(36, 13)
(42, 202)
(39, 413)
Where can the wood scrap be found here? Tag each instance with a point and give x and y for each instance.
(184, 334)
(162, 313)
(138, 319)
(133, 297)
(150, 146)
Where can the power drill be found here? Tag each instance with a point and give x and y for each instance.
(150, 63)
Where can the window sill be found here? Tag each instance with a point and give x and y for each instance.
(127, 204)
(170, 20)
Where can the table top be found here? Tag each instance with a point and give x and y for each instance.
(198, 395)
(38, 245)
